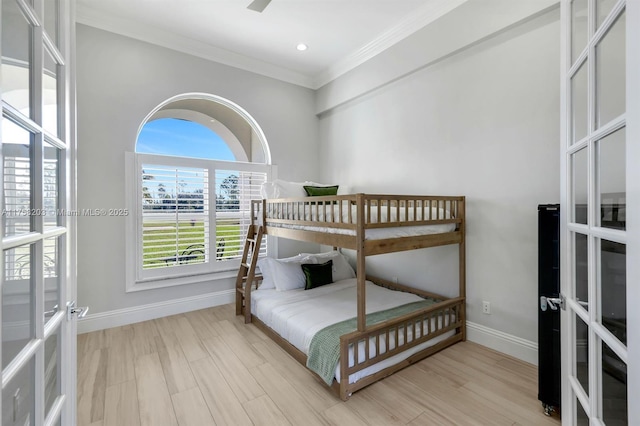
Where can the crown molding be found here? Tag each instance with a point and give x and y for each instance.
(414, 22)
(427, 14)
(153, 35)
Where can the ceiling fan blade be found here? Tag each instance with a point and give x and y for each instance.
(258, 5)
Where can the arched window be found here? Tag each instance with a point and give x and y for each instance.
(182, 138)
(198, 161)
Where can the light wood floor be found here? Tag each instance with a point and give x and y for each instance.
(208, 368)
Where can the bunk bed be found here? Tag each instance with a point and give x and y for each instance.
(369, 225)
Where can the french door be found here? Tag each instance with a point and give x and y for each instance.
(600, 379)
(38, 157)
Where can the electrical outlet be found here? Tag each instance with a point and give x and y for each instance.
(486, 307)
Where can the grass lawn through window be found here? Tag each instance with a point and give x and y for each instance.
(164, 245)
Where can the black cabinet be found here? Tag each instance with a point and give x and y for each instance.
(549, 319)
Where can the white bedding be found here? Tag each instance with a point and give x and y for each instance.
(297, 315)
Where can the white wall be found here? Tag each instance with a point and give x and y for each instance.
(119, 81)
(483, 123)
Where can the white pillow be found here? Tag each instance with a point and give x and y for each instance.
(267, 272)
(282, 189)
(289, 275)
(290, 189)
(341, 268)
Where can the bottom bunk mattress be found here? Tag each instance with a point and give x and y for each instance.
(298, 315)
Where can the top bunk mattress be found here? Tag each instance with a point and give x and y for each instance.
(376, 234)
(395, 220)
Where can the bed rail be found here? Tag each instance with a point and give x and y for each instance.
(384, 340)
(343, 211)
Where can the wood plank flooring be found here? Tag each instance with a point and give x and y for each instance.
(208, 368)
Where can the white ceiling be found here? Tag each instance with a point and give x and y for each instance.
(340, 34)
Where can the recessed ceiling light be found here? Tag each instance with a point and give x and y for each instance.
(302, 46)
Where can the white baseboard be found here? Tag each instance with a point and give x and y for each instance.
(509, 344)
(104, 320)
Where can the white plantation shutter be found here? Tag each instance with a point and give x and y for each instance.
(175, 216)
(193, 214)
(234, 192)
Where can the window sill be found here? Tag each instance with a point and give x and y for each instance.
(156, 283)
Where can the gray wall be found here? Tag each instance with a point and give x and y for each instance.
(119, 81)
(483, 123)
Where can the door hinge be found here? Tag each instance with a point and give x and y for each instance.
(552, 302)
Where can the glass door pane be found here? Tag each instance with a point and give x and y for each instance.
(52, 163)
(613, 287)
(579, 27)
(580, 111)
(580, 184)
(16, 58)
(612, 180)
(50, 111)
(52, 277)
(582, 354)
(51, 370)
(581, 417)
(18, 397)
(614, 388)
(603, 8)
(51, 8)
(17, 302)
(610, 70)
(16, 149)
(581, 279)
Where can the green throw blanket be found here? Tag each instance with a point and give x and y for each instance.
(324, 351)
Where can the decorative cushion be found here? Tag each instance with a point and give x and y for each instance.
(342, 190)
(288, 275)
(317, 275)
(320, 191)
(342, 270)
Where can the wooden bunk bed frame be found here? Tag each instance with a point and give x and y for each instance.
(284, 218)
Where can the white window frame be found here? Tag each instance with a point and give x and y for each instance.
(137, 278)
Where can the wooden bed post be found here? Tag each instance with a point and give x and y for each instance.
(463, 268)
(360, 263)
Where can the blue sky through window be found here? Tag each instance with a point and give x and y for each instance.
(172, 136)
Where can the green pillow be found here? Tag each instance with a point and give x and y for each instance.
(317, 275)
(320, 191)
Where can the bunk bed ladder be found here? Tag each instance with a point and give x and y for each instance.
(247, 272)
